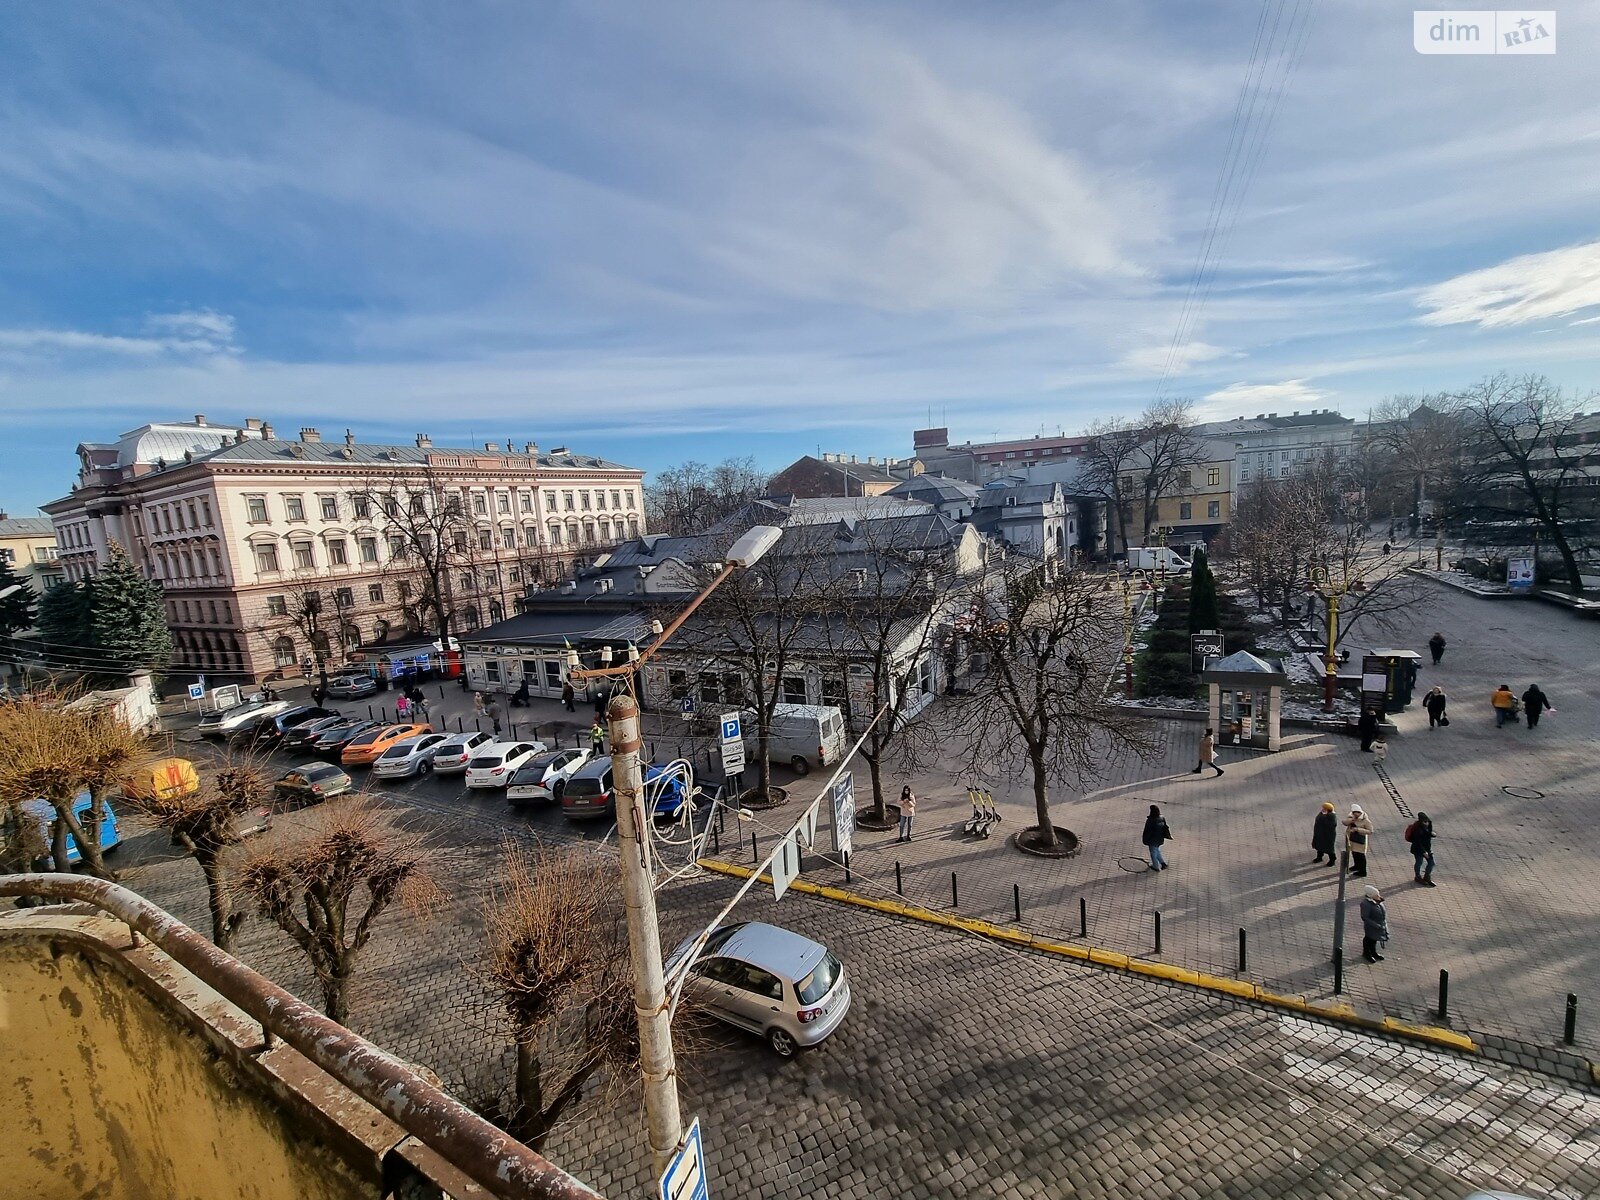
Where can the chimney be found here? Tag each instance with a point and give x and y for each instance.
(349, 438)
(267, 433)
(424, 442)
(253, 423)
(531, 448)
(308, 434)
(852, 458)
(199, 418)
(493, 446)
(238, 436)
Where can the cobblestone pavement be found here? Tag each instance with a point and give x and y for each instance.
(1514, 919)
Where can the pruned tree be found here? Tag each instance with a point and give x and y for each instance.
(900, 579)
(1527, 456)
(326, 893)
(206, 824)
(1110, 458)
(54, 751)
(692, 497)
(557, 960)
(1044, 641)
(1166, 452)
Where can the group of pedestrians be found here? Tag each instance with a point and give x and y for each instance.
(412, 705)
(1358, 834)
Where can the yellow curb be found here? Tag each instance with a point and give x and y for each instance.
(1337, 1010)
(1594, 1073)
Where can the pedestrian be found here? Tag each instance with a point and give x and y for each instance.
(1420, 834)
(600, 701)
(1357, 831)
(1155, 832)
(597, 737)
(1208, 753)
(1387, 547)
(419, 710)
(1505, 705)
(1436, 647)
(1325, 833)
(478, 702)
(1534, 702)
(908, 810)
(1367, 727)
(568, 695)
(1435, 703)
(402, 708)
(492, 711)
(1374, 923)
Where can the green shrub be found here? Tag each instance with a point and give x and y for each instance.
(1168, 641)
(1165, 675)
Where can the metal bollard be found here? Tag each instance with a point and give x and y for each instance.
(370, 717)
(1571, 1030)
(755, 855)
(716, 841)
(1016, 900)
(1338, 970)
(477, 724)
(899, 887)
(459, 727)
(846, 857)
(1083, 917)
(955, 895)
(441, 691)
(1244, 957)
(385, 711)
(1444, 995)
(1158, 933)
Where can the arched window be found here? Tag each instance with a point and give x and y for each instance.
(283, 652)
(351, 634)
(320, 647)
(380, 630)
(469, 617)
(497, 612)
(555, 533)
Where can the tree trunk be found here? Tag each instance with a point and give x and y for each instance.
(222, 922)
(335, 984)
(527, 1122)
(89, 855)
(1041, 796)
(1568, 558)
(880, 811)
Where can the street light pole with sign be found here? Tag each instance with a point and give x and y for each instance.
(663, 1122)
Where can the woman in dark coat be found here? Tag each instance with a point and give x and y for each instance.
(1374, 923)
(1420, 835)
(1534, 702)
(1436, 703)
(1325, 833)
(1367, 726)
(1155, 832)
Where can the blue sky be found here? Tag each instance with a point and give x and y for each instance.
(657, 232)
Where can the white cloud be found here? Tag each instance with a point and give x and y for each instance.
(1238, 399)
(196, 333)
(1531, 287)
(1153, 360)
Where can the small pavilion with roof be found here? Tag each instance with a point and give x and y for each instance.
(1245, 699)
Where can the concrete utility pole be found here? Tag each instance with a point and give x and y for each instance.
(663, 1121)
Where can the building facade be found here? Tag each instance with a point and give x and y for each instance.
(1268, 446)
(278, 553)
(810, 477)
(28, 547)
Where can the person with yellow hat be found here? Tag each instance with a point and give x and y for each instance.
(1325, 833)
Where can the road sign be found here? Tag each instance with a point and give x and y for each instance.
(808, 825)
(226, 696)
(786, 863)
(686, 707)
(844, 813)
(732, 745)
(685, 1176)
(197, 691)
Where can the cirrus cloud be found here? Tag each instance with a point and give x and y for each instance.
(1531, 287)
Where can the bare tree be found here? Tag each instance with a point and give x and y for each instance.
(1411, 447)
(206, 824)
(55, 751)
(1109, 462)
(692, 497)
(1527, 457)
(356, 850)
(1165, 454)
(431, 540)
(1045, 640)
(898, 582)
(557, 959)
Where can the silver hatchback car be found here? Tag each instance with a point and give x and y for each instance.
(784, 987)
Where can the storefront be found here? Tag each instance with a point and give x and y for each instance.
(1246, 700)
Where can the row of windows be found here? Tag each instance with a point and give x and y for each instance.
(175, 516)
(202, 610)
(302, 554)
(186, 564)
(330, 506)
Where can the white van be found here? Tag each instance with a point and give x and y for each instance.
(1153, 558)
(803, 735)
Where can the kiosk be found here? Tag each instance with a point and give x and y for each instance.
(1245, 699)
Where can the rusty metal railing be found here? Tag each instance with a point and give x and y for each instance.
(492, 1157)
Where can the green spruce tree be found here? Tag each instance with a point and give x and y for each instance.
(127, 620)
(63, 624)
(1204, 610)
(17, 611)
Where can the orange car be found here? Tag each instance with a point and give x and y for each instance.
(364, 750)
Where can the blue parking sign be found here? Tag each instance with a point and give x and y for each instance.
(730, 728)
(686, 706)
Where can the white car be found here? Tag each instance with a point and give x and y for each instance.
(220, 724)
(544, 776)
(413, 756)
(494, 764)
(456, 751)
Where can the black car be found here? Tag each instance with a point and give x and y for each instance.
(312, 783)
(337, 736)
(303, 737)
(270, 731)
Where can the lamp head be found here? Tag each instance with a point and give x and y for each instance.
(752, 544)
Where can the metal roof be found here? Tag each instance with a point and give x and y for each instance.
(339, 453)
(27, 527)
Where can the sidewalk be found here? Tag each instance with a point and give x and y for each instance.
(1513, 919)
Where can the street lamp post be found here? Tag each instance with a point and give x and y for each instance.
(663, 1121)
(1320, 581)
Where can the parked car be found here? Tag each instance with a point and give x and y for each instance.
(412, 756)
(44, 813)
(773, 982)
(221, 724)
(312, 783)
(588, 791)
(268, 731)
(494, 764)
(332, 741)
(353, 686)
(303, 738)
(456, 751)
(363, 749)
(544, 777)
